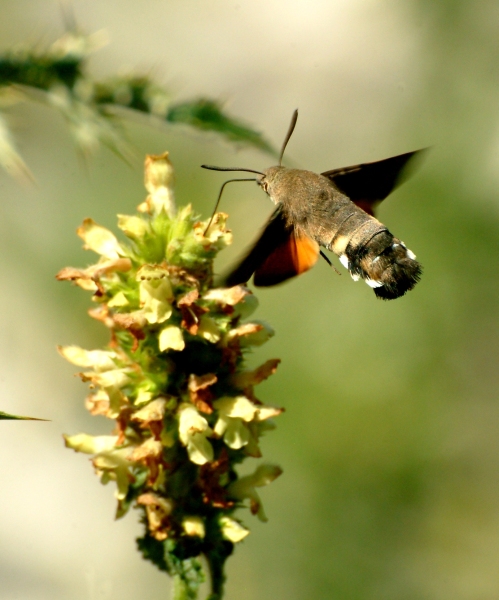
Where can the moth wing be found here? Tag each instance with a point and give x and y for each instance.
(297, 254)
(273, 235)
(369, 183)
(278, 254)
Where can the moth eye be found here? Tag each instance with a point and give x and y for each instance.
(264, 185)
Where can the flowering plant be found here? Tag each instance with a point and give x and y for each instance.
(173, 379)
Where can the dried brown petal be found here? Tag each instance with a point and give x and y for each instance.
(199, 393)
(101, 313)
(189, 298)
(249, 378)
(230, 296)
(214, 492)
(154, 411)
(149, 449)
(191, 314)
(98, 404)
(158, 511)
(134, 323)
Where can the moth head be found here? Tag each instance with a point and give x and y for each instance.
(268, 179)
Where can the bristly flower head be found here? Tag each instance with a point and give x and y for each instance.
(173, 379)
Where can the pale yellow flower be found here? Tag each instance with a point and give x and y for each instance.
(193, 431)
(99, 239)
(232, 530)
(171, 338)
(245, 487)
(194, 526)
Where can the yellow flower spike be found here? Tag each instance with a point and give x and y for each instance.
(171, 338)
(193, 431)
(245, 487)
(233, 530)
(99, 360)
(159, 179)
(99, 239)
(194, 526)
(176, 347)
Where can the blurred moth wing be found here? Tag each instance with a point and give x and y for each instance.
(278, 254)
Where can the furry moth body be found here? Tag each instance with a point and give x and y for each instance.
(334, 210)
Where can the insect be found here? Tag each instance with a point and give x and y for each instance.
(335, 210)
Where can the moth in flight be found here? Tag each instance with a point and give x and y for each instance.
(335, 210)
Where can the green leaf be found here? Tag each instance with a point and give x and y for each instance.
(60, 73)
(6, 416)
(40, 72)
(207, 115)
(153, 550)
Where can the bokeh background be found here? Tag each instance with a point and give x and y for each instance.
(390, 440)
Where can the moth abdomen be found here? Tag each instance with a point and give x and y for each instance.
(385, 264)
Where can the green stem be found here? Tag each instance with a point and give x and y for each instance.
(180, 589)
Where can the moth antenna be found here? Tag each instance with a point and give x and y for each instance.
(232, 169)
(326, 258)
(220, 195)
(292, 125)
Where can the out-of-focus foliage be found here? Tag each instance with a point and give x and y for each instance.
(59, 76)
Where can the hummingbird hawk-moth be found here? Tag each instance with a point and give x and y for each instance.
(335, 210)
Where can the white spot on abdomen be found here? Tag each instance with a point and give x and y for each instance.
(373, 283)
(344, 260)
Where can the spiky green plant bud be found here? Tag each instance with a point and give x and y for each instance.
(173, 379)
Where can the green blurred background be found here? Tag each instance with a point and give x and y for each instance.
(390, 440)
